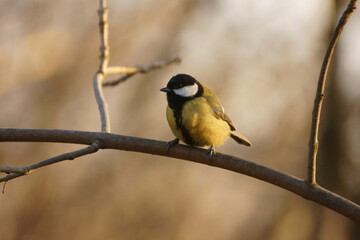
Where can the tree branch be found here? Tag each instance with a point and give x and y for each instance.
(320, 93)
(113, 141)
(104, 69)
(14, 172)
(104, 60)
(102, 105)
(129, 72)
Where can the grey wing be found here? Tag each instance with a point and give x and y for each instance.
(220, 113)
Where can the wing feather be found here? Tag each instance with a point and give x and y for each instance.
(217, 108)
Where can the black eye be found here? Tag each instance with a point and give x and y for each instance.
(177, 85)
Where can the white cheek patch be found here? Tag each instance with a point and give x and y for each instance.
(187, 91)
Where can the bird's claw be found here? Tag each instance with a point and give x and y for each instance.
(171, 143)
(211, 151)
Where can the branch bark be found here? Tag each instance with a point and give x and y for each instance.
(320, 93)
(112, 141)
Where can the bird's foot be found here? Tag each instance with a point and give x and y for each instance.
(211, 151)
(172, 143)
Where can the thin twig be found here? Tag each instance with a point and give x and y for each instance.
(102, 105)
(121, 70)
(9, 170)
(320, 93)
(104, 60)
(113, 141)
(129, 72)
(3, 189)
(14, 172)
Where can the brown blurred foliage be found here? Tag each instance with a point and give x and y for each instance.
(262, 58)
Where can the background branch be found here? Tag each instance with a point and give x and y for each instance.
(113, 141)
(320, 93)
(102, 105)
(129, 72)
(104, 60)
(104, 69)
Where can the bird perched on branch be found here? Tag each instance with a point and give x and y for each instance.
(195, 115)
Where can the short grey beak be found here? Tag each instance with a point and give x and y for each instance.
(165, 89)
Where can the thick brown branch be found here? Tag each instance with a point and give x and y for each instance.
(112, 141)
(129, 72)
(320, 93)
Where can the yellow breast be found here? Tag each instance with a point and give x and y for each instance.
(200, 123)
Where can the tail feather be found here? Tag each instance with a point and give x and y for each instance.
(240, 139)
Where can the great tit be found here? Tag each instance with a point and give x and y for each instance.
(195, 115)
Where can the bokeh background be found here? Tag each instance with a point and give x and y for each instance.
(262, 58)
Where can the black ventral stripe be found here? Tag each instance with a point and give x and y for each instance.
(176, 103)
(178, 119)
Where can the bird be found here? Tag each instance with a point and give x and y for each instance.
(196, 116)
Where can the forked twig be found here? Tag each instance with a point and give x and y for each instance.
(129, 72)
(104, 69)
(320, 93)
(104, 60)
(14, 172)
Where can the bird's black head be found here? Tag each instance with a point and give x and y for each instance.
(182, 88)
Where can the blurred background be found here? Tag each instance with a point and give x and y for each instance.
(262, 58)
